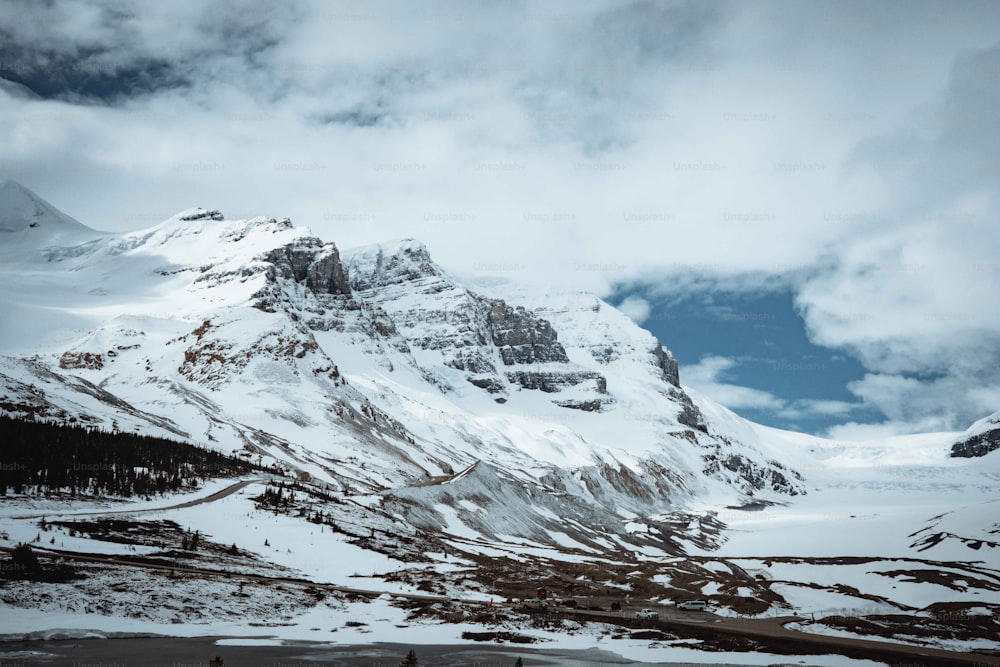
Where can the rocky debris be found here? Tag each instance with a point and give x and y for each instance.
(978, 445)
(750, 476)
(508, 506)
(929, 540)
(587, 406)
(89, 360)
(488, 382)
(689, 414)
(555, 380)
(604, 354)
(204, 214)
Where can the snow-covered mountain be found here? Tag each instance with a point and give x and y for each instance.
(373, 370)
(368, 371)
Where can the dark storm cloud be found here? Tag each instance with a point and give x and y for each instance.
(87, 76)
(109, 52)
(354, 117)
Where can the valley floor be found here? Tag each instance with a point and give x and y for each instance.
(837, 583)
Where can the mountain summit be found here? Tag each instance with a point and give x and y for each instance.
(22, 210)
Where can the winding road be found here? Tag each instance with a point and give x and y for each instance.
(211, 498)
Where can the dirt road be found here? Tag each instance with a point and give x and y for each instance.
(211, 498)
(704, 625)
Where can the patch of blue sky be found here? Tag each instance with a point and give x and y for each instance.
(757, 340)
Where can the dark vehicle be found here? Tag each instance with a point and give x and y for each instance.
(616, 606)
(568, 602)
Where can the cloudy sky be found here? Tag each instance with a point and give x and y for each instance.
(800, 199)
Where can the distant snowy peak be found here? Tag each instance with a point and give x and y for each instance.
(25, 217)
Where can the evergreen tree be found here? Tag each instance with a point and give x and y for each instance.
(24, 558)
(55, 457)
(411, 660)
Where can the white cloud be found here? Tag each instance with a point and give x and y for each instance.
(707, 377)
(806, 408)
(636, 307)
(913, 296)
(858, 432)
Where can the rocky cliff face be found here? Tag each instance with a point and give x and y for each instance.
(667, 365)
(500, 347)
(313, 262)
(982, 438)
(406, 261)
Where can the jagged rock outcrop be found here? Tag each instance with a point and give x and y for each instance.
(689, 414)
(557, 380)
(750, 475)
(521, 337)
(978, 445)
(406, 261)
(667, 365)
(314, 262)
(500, 346)
(203, 214)
(91, 360)
(980, 439)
